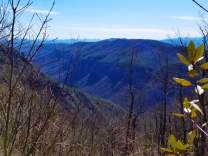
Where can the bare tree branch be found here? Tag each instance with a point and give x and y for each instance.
(200, 6)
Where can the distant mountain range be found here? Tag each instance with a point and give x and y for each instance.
(197, 40)
(70, 41)
(185, 40)
(102, 68)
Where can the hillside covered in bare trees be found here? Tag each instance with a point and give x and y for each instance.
(113, 97)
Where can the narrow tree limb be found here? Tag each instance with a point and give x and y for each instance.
(200, 6)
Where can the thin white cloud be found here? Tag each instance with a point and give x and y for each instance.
(190, 18)
(65, 32)
(123, 30)
(108, 32)
(40, 11)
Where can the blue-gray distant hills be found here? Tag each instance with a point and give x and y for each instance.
(185, 40)
(102, 68)
(69, 41)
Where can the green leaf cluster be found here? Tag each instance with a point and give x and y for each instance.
(177, 148)
(194, 56)
(190, 108)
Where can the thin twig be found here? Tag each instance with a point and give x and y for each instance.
(200, 6)
(194, 122)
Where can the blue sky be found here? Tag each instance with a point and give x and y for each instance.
(101, 19)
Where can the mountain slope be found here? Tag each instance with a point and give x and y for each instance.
(101, 68)
(40, 116)
(35, 80)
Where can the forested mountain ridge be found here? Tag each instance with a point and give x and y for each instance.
(102, 68)
(34, 78)
(47, 111)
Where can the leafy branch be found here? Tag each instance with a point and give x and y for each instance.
(191, 109)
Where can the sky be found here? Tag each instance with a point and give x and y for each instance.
(103, 19)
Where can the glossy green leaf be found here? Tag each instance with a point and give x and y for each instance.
(193, 115)
(183, 82)
(199, 52)
(186, 146)
(205, 86)
(166, 150)
(193, 110)
(173, 142)
(203, 80)
(192, 73)
(178, 115)
(185, 103)
(197, 107)
(204, 66)
(182, 147)
(179, 145)
(191, 50)
(192, 136)
(183, 59)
